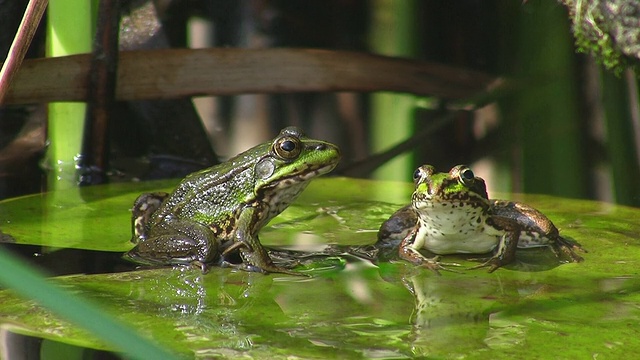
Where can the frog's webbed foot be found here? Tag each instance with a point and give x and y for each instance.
(568, 247)
(493, 263)
(200, 265)
(240, 266)
(244, 266)
(289, 258)
(435, 265)
(505, 253)
(407, 252)
(254, 259)
(270, 267)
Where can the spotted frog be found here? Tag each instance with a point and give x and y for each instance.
(214, 215)
(451, 213)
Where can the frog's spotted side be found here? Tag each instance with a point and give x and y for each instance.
(216, 213)
(451, 213)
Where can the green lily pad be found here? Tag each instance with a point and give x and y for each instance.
(356, 310)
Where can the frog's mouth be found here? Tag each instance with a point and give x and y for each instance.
(454, 201)
(325, 169)
(306, 175)
(312, 171)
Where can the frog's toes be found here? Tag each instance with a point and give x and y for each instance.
(492, 263)
(568, 248)
(235, 246)
(435, 265)
(572, 255)
(200, 265)
(281, 270)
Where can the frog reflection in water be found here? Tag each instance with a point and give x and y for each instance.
(451, 213)
(215, 214)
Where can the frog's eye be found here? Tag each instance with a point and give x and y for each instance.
(422, 173)
(287, 147)
(417, 174)
(466, 175)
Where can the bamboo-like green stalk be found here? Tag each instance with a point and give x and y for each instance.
(550, 128)
(618, 103)
(393, 33)
(69, 31)
(32, 285)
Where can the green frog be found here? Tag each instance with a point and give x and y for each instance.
(214, 215)
(451, 213)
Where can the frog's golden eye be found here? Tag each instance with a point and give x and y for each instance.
(287, 147)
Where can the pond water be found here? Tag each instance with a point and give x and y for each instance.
(349, 308)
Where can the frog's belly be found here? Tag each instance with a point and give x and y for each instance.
(451, 236)
(470, 244)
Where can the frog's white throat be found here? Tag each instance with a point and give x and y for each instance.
(448, 227)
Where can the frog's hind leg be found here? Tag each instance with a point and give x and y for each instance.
(176, 242)
(567, 247)
(142, 210)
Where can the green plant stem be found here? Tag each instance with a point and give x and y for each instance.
(547, 110)
(619, 102)
(393, 33)
(69, 31)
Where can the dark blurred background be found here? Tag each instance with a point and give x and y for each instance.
(565, 126)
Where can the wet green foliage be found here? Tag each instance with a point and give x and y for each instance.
(350, 308)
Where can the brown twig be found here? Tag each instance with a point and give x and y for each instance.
(22, 40)
(93, 161)
(180, 73)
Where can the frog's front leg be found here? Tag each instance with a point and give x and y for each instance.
(254, 256)
(176, 242)
(409, 250)
(396, 227)
(504, 254)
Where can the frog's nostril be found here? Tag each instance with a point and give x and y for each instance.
(321, 147)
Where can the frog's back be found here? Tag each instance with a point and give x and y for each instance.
(213, 194)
